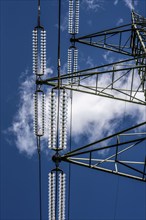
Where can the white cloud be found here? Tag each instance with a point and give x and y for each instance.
(49, 70)
(129, 4)
(22, 126)
(64, 24)
(64, 69)
(97, 116)
(89, 62)
(89, 22)
(108, 57)
(135, 2)
(93, 116)
(116, 2)
(93, 4)
(120, 21)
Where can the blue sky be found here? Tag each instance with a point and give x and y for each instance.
(94, 195)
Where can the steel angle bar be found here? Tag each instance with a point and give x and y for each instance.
(136, 133)
(75, 74)
(105, 138)
(105, 38)
(111, 84)
(136, 91)
(96, 91)
(94, 88)
(106, 147)
(119, 152)
(105, 47)
(138, 34)
(107, 31)
(144, 168)
(104, 170)
(83, 73)
(140, 102)
(131, 97)
(132, 168)
(115, 46)
(101, 92)
(108, 161)
(132, 83)
(126, 43)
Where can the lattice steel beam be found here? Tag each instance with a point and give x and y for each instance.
(124, 81)
(89, 155)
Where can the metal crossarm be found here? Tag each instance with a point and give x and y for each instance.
(91, 81)
(112, 163)
(108, 137)
(143, 178)
(104, 40)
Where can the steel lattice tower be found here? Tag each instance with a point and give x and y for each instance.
(128, 40)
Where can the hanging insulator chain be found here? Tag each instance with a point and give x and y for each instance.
(72, 61)
(43, 52)
(77, 7)
(63, 120)
(69, 62)
(75, 63)
(73, 20)
(51, 196)
(61, 199)
(39, 51)
(35, 51)
(52, 120)
(39, 113)
(70, 19)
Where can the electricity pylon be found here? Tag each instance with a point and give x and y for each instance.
(128, 40)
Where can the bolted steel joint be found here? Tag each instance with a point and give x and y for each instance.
(56, 159)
